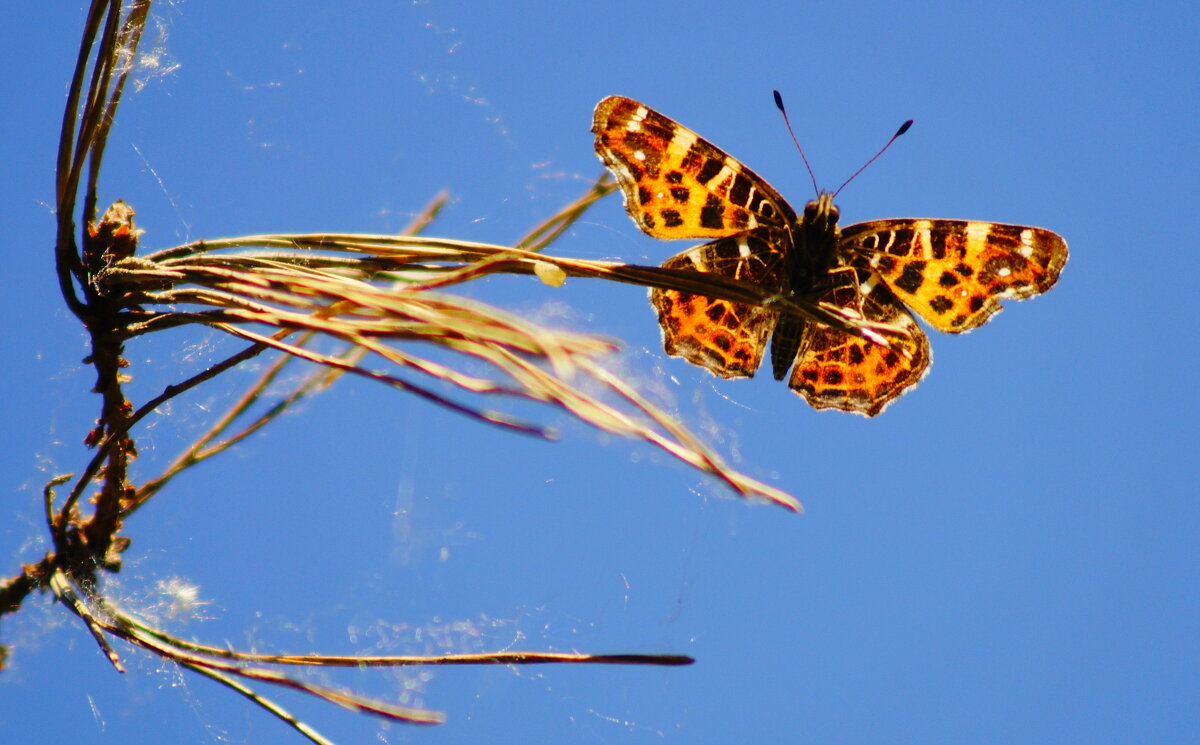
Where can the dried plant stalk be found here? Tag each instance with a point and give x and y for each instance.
(374, 306)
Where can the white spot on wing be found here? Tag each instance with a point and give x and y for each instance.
(684, 138)
(635, 122)
(1026, 248)
(924, 242)
(977, 233)
(725, 175)
(639, 155)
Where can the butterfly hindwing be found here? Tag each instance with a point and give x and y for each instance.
(723, 337)
(835, 370)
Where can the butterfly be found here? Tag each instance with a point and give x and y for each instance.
(953, 273)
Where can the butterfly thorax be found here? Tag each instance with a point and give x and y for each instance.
(816, 244)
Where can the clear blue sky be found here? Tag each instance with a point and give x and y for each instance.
(1007, 555)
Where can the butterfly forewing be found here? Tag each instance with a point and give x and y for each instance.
(676, 183)
(954, 273)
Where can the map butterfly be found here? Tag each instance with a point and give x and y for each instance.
(953, 273)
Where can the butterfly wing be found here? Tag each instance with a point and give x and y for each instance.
(835, 370)
(676, 183)
(723, 337)
(954, 273)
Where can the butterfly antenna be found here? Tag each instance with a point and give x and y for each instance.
(903, 128)
(782, 110)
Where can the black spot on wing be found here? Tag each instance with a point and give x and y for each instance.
(912, 277)
(901, 242)
(739, 193)
(711, 213)
(726, 249)
(710, 169)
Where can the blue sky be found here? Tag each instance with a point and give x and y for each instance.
(1007, 554)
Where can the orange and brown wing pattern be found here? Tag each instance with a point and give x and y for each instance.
(676, 183)
(835, 370)
(725, 338)
(954, 273)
